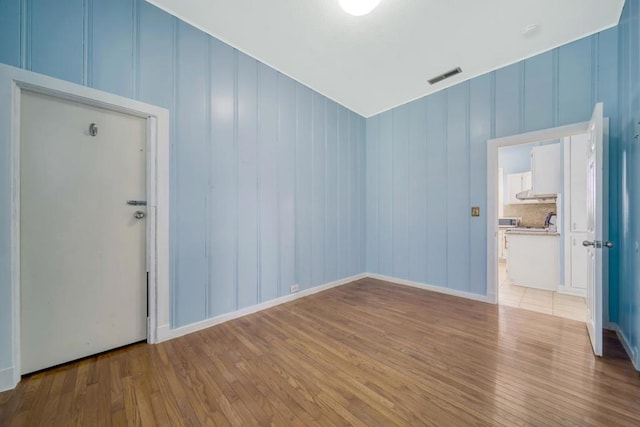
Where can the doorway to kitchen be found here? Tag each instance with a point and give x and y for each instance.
(539, 183)
(498, 273)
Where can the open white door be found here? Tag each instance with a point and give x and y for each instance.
(594, 242)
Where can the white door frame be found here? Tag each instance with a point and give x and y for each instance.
(12, 82)
(493, 145)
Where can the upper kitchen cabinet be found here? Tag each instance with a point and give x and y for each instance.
(545, 169)
(518, 183)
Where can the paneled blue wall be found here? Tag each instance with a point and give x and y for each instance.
(626, 173)
(268, 178)
(266, 174)
(426, 160)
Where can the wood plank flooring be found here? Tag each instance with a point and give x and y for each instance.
(368, 353)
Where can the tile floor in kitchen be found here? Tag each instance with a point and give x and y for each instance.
(567, 306)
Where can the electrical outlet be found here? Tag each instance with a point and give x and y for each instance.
(294, 289)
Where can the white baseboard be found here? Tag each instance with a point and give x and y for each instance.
(568, 290)
(631, 352)
(7, 381)
(462, 294)
(166, 333)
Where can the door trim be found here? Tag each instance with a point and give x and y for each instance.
(493, 145)
(12, 82)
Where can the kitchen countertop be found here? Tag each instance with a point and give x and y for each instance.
(532, 232)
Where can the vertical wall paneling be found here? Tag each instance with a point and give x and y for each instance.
(304, 153)
(400, 196)
(268, 181)
(385, 194)
(480, 98)
(286, 150)
(575, 82)
(627, 157)
(247, 181)
(508, 100)
(318, 190)
(362, 185)
(607, 90)
(418, 180)
(173, 182)
(222, 191)
(458, 209)
(354, 197)
(372, 190)
(155, 52)
(112, 37)
(55, 45)
(343, 191)
(331, 188)
(437, 189)
(10, 47)
(191, 174)
(10, 32)
(539, 92)
(625, 130)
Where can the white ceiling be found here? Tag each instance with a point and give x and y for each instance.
(375, 62)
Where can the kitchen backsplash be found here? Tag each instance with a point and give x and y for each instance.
(532, 214)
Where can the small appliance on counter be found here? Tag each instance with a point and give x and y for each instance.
(509, 222)
(550, 222)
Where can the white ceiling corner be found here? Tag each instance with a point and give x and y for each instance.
(378, 61)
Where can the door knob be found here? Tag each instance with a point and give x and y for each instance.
(139, 214)
(598, 244)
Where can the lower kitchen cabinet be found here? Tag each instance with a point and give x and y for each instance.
(533, 260)
(578, 274)
(502, 245)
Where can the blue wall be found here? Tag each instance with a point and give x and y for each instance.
(266, 175)
(426, 160)
(625, 172)
(268, 178)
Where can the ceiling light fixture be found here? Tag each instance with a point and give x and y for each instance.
(358, 7)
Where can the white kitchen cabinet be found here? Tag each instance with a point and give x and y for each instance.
(575, 212)
(578, 261)
(502, 245)
(517, 182)
(545, 169)
(533, 260)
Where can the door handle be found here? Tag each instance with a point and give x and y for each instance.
(598, 244)
(137, 202)
(139, 215)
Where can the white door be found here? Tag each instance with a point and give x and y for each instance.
(82, 249)
(594, 236)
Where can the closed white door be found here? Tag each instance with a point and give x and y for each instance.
(82, 247)
(594, 236)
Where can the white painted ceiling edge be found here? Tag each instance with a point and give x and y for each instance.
(379, 61)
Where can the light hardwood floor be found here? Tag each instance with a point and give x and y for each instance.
(367, 353)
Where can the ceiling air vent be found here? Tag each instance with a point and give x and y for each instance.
(446, 75)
